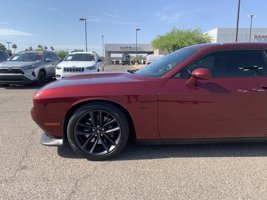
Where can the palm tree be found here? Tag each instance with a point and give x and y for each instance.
(45, 48)
(40, 47)
(14, 46)
(52, 48)
(30, 48)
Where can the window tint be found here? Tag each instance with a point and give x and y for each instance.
(243, 63)
(27, 56)
(167, 63)
(80, 57)
(54, 56)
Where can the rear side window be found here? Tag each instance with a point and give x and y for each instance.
(238, 63)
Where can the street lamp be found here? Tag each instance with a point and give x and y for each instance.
(136, 30)
(237, 21)
(250, 28)
(85, 26)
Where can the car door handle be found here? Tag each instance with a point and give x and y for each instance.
(263, 86)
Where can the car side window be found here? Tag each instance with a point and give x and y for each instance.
(47, 55)
(54, 56)
(237, 63)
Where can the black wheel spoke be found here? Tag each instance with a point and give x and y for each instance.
(100, 118)
(94, 145)
(84, 133)
(111, 141)
(85, 125)
(87, 141)
(110, 122)
(92, 119)
(104, 144)
(113, 130)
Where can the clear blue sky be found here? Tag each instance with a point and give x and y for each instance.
(56, 22)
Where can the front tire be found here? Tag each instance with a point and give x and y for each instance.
(41, 78)
(98, 131)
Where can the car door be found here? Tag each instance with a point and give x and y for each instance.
(232, 104)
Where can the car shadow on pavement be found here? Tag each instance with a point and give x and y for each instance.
(22, 87)
(26, 86)
(143, 152)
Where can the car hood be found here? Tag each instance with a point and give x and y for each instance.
(17, 64)
(98, 79)
(99, 84)
(76, 63)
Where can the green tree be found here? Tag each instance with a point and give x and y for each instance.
(178, 38)
(62, 53)
(52, 48)
(14, 46)
(45, 48)
(2, 47)
(30, 48)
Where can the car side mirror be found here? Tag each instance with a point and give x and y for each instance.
(99, 60)
(48, 60)
(202, 74)
(198, 74)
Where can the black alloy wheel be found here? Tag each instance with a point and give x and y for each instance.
(41, 78)
(98, 131)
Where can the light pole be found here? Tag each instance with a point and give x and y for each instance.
(85, 26)
(136, 30)
(250, 28)
(237, 21)
(8, 45)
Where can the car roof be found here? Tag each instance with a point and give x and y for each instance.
(235, 45)
(36, 51)
(82, 52)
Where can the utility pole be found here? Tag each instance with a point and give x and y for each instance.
(237, 21)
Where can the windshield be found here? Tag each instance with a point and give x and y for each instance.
(79, 57)
(166, 63)
(27, 56)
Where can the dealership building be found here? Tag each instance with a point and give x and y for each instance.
(225, 35)
(125, 50)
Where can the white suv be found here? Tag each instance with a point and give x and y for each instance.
(79, 63)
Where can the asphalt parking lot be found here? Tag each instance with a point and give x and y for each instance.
(32, 171)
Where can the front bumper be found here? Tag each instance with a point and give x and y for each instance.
(50, 141)
(15, 78)
(61, 73)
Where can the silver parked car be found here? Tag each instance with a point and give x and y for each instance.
(29, 67)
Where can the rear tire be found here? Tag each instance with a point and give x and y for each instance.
(98, 131)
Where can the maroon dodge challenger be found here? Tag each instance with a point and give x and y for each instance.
(206, 92)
